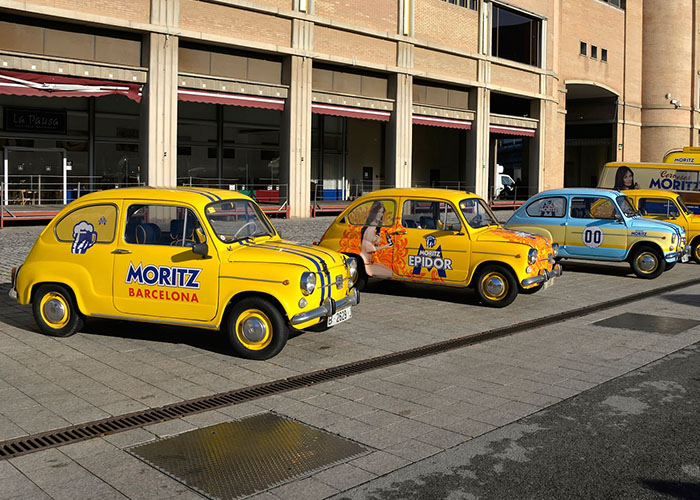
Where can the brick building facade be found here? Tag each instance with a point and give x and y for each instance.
(298, 101)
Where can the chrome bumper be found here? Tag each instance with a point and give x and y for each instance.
(329, 308)
(545, 276)
(677, 256)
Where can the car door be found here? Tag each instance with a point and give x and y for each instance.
(595, 229)
(437, 246)
(156, 273)
(662, 209)
(371, 235)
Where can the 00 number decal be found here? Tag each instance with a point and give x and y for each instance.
(592, 237)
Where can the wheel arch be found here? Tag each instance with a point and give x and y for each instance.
(641, 244)
(485, 263)
(253, 294)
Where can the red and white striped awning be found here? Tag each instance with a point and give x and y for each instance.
(363, 113)
(508, 130)
(44, 85)
(435, 121)
(211, 97)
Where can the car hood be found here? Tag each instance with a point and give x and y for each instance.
(513, 236)
(654, 225)
(275, 251)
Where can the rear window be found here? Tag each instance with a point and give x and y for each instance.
(547, 207)
(91, 224)
(379, 213)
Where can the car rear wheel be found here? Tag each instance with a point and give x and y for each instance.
(55, 311)
(496, 286)
(361, 277)
(695, 250)
(256, 329)
(647, 263)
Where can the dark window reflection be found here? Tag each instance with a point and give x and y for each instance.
(515, 36)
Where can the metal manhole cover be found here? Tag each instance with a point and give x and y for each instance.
(237, 459)
(648, 323)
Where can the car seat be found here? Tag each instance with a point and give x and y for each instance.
(148, 233)
(177, 228)
(427, 222)
(410, 223)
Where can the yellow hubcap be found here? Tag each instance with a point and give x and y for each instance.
(55, 310)
(647, 262)
(697, 252)
(254, 329)
(494, 286)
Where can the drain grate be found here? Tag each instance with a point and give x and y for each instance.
(648, 323)
(237, 459)
(59, 437)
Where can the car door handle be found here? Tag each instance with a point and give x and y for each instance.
(121, 250)
(398, 232)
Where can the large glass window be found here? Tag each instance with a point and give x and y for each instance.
(515, 36)
(163, 225)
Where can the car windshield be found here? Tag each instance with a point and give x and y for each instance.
(477, 213)
(234, 220)
(627, 206)
(683, 207)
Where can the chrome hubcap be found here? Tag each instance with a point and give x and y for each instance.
(647, 262)
(54, 310)
(494, 286)
(254, 329)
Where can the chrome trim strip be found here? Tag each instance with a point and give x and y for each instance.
(253, 279)
(495, 253)
(160, 321)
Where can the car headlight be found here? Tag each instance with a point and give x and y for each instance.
(555, 249)
(532, 256)
(307, 283)
(351, 264)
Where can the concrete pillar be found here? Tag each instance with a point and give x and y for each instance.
(160, 96)
(296, 123)
(479, 142)
(400, 132)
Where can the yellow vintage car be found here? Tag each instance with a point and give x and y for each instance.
(669, 206)
(205, 258)
(442, 237)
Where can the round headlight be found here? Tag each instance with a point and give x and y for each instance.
(351, 264)
(532, 256)
(307, 283)
(555, 249)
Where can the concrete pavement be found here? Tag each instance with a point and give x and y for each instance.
(405, 413)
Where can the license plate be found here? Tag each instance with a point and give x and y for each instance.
(547, 283)
(684, 257)
(340, 316)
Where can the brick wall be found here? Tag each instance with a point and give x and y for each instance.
(347, 45)
(446, 24)
(448, 65)
(235, 23)
(376, 14)
(133, 10)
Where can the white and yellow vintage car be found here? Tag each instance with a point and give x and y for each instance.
(204, 258)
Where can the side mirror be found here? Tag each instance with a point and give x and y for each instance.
(201, 249)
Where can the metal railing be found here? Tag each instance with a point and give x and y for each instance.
(51, 190)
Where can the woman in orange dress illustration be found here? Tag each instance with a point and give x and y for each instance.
(371, 237)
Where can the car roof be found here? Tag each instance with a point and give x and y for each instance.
(422, 192)
(651, 192)
(580, 191)
(191, 195)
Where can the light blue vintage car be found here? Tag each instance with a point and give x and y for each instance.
(602, 224)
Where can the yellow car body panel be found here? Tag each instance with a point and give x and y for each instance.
(114, 277)
(683, 217)
(449, 253)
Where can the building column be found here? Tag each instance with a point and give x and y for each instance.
(479, 142)
(400, 132)
(160, 96)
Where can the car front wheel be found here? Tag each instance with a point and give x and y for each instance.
(695, 250)
(495, 286)
(647, 263)
(256, 329)
(55, 311)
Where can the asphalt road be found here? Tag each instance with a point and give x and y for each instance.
(635, 437)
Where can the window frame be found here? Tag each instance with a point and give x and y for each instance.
(116, 223)
(539, 21)
(370, 202)
(143, 203)
(527, 208)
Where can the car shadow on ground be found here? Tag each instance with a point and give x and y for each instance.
(455, 295)
(609, 269)
(673, 489)
(683, 298)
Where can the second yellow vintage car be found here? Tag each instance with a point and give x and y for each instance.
(197, 257)
(442, 237)
(669, 206)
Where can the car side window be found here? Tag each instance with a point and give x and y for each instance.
(88, 225)
(593, 207)
(659, 207)
(378, 213)
(547, 207)
(419, 214)
(448, 219)
(151, 224)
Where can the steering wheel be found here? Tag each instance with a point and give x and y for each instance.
(249, 223)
